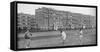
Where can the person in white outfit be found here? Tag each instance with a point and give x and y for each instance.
(63, 36)
(81, 33)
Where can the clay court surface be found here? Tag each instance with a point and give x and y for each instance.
(53, 38)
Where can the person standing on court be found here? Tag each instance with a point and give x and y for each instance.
(27, 38)
(63, 36)
(81, 32)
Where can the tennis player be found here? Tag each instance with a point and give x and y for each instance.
(28, 39)
(63, 36)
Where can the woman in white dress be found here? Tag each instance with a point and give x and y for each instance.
(63, 36)
(81, 33)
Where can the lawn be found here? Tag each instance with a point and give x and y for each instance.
(53, 38)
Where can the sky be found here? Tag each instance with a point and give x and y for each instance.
(30, 9)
